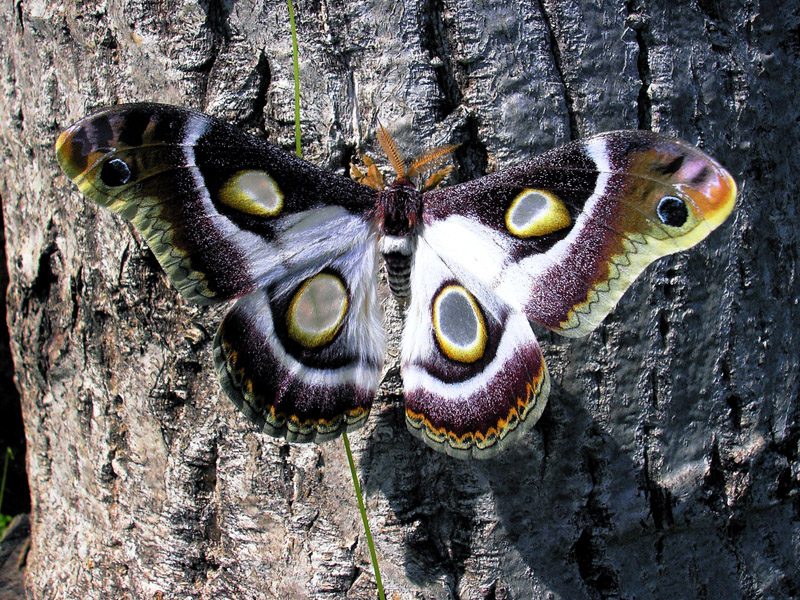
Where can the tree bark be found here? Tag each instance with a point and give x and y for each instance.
(666, 464)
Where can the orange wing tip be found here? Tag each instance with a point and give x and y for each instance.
(715, 198)
(65, 153)
(62, 139)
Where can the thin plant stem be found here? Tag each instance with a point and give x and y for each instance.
(372, 554)
(362, 509)
(295, 57)
(9, 456)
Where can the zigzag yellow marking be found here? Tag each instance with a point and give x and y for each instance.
(482, 440)
(283, 420)
(176, 262)
(601, 298)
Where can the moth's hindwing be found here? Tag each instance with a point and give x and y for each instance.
(303, 358)
(222, 211)
(562, 236)
(473, 372)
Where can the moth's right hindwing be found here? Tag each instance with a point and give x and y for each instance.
(473, 373)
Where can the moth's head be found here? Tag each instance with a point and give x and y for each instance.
(685, 193)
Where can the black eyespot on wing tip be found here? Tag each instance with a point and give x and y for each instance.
(672, 211)
(115, 173)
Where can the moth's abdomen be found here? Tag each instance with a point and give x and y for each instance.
(399, 210)
(397, 252)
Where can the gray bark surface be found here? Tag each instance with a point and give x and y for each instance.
(666, 464)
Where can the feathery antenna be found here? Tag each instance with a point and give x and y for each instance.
(434, 155)
(391, 151)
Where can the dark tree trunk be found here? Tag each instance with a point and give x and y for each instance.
(666, 464)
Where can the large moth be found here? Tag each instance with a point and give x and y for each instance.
(555, 240)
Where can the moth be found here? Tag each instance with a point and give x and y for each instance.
(554, 240)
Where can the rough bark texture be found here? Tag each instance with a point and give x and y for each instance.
(666, 464)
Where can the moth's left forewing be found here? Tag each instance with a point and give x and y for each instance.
(562, 236)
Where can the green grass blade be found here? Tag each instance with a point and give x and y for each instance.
(373, 555)
(9, 457)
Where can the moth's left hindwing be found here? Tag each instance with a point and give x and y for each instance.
(304, 361)
(227, 216)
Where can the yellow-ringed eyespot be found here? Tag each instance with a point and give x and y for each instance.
(317, 310)
(458, 324)
(536, 213)
(252, 192)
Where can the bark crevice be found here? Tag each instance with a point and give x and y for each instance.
(558, 64)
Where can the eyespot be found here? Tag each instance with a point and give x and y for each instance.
(253, 192)
(458, 324)
(672, 211)
(115, 173)
(317, 310)
(536, 213)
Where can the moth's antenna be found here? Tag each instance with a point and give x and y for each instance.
(434, 155)
(390, 149)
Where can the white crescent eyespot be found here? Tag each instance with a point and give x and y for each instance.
(253, 192)
(536, 213)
